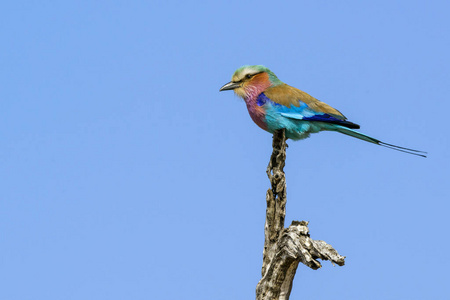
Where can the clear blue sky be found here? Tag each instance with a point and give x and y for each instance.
(127, 175)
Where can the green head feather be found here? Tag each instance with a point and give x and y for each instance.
(243, 71)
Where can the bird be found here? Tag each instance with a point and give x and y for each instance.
(274, 105)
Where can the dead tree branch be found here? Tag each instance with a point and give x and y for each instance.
(285, 248)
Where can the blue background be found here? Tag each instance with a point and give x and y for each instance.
(127, 175)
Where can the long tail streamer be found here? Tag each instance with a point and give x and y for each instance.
(403, 149)
(369, 139)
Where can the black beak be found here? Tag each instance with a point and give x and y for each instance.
(230, 86)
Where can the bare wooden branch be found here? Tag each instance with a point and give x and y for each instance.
(275, 196)
(285, 248)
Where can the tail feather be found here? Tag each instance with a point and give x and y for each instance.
(369, 139)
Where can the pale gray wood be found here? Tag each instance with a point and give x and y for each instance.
(285, 248)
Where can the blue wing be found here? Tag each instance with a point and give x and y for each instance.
(303, 112)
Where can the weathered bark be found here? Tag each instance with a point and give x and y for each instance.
(285, 248)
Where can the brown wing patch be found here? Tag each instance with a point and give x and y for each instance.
(287, 95)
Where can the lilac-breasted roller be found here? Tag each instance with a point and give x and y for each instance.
(274, 105)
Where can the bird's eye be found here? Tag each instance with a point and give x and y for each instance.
(248, 76)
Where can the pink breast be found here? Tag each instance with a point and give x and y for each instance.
(258, 84)
(256, 113)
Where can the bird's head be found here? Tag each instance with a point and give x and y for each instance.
(251, 80)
